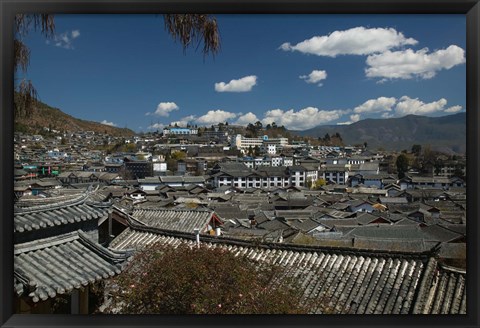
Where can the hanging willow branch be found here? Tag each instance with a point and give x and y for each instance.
(26, 94)
(193, 30)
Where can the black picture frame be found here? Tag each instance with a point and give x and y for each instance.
(470, 8)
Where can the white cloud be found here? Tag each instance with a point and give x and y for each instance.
(407, 105)
(215, 116)
(392, 107)
(453, 109)
(315, 76)
(184, 121)
(65, 39)
(157, 126)
(381, 104)
(108, 123)
(355, 41)
(164, 109)
(303, 119)
(407, 64)
(75, 34)
(246, 119)
(241, 85)
(353, 118)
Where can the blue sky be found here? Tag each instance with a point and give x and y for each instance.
(295, 70)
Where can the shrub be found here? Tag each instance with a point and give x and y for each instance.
(191, 280)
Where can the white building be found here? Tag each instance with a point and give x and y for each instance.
(243, 143)
(180, 131)
(159, 168)
(336, 173)
(270, 149)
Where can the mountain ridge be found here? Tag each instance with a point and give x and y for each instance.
(445, 133)
(45, 116)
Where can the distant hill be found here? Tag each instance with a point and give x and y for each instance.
(446, 133)
(54, 118)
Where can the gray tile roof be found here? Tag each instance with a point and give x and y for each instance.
(273, 171)
(273, 225)
(53, 266)
(337, 280)
(303, 225)
(404, 232)
(437, 232)
(442, 291)
(172, 179)
(51, 214)
(294, 214)
(394, 245)
(229, 211)
(173, 219)
(249, 198)
(393, 200)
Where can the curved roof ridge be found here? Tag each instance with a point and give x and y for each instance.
(70, 202)
(424, 255)
(452, 269)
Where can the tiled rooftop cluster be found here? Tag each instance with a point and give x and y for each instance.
(360, 239)
(57, 265)
(338, 280)
(56, 247)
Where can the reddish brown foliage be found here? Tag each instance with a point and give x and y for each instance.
(187, 280)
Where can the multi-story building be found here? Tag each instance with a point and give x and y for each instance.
(243, 143)
(336, 173)
(179, 131)
(254, 162)
(240, 176)
(416, 182)
(221, 136)
(138, 169)
(297, 175)
(450, 169)
(268, 148)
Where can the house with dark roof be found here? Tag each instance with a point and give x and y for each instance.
(57, 254)
(434, 182)
(178, 220)
(361, 206)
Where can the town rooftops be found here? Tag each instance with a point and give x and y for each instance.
(337, 280)
(54, 266)
(58, 211)
(182, 179)
(177, 220)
